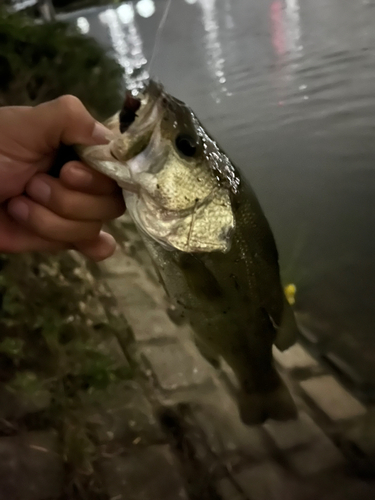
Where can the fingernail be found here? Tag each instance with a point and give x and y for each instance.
(39, 190)
(101, 134)
(19, 210)
(82, 177)
(108, 245)
(107, 239)
(99, 249)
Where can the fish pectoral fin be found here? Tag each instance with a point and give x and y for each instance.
(287, 331)
(200, 280)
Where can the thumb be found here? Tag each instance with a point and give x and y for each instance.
(66, 120)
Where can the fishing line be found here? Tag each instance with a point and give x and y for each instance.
(158, 34)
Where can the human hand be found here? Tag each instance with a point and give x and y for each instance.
(39, 212)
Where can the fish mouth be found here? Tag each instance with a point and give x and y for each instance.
(128, 112)
(139, 110)
(136, 139)
(131, 130)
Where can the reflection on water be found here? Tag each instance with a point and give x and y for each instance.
(292, 25)
(83, 25)
(278, 31)
(286, 40)
(287, 88)
(214, 49)
(126, 42)
(286, 33)
(145, 8)
(229, 21)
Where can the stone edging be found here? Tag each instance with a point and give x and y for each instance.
(301, 458)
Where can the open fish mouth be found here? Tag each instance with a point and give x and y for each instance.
(135, 124)
(140, 111)
(128, 112)
(132, 129)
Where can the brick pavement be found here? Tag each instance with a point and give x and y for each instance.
(294, 460)
(174, 431)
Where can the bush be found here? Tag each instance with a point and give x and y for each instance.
(55, 341)
(39, 62)
(56, 350)
(52, 321)
(44, 318)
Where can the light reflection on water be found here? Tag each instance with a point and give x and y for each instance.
(83, 25)
(214, 49)
(293, 25)
(127, 43)
(145, 8)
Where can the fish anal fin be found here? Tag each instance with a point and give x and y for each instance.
(287, 331)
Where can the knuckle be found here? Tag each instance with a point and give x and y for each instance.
(69, 103)
(71, 108)
(75, 115)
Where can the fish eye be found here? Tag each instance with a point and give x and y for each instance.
(186, 145)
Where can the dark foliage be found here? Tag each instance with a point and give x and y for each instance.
(39, 62)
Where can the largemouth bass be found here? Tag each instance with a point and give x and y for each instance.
(209, 240)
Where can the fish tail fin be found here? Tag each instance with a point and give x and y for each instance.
(257, 407)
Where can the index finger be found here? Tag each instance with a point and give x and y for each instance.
(78, 176)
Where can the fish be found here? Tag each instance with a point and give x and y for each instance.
(209, 240)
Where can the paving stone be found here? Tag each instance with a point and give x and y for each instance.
(228, 491)
(345, 368)
(174, 367)
(334, 485)
(311, 327)
(119, 264)
(316, 457)
(130, 294)
(226, 435)
(268, 481)
(30, 467)
(361, 373)
(150, 324)
(294, 357)
(294, 433)
(15, 405)
(332, 398)
(357, 442)
(350, 489)
(229, 374)
(122, 413)
(145, 474)
(111, 347)
(309, 334)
